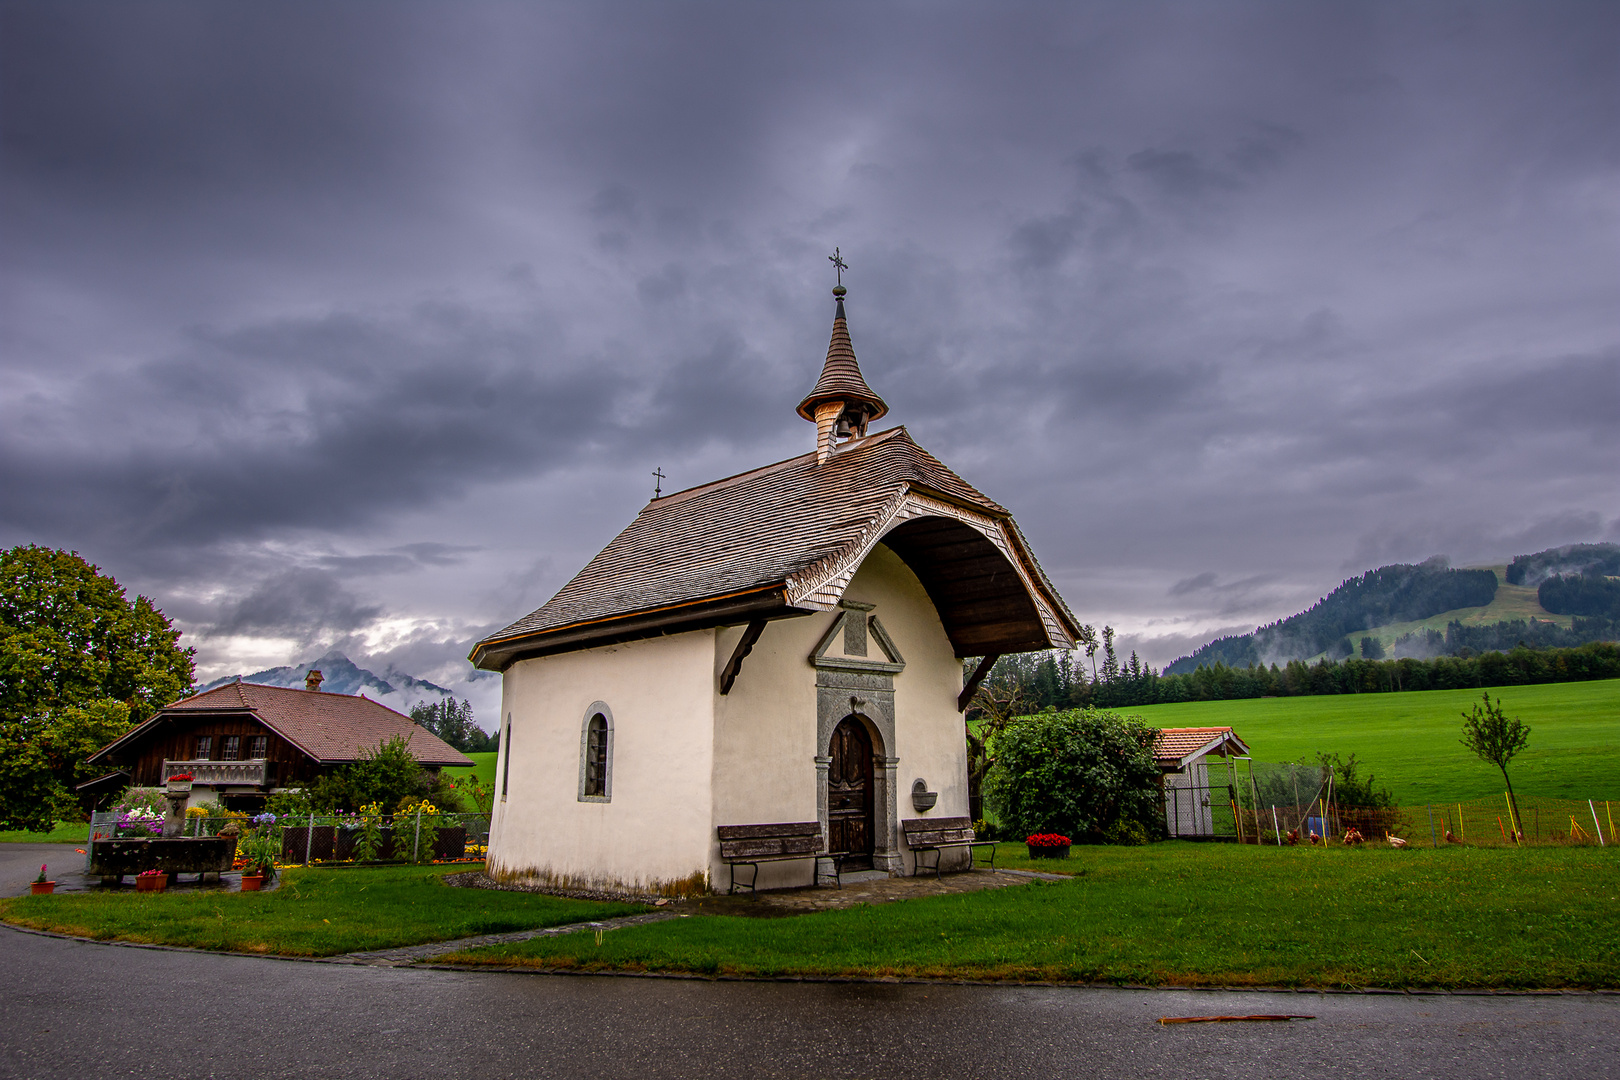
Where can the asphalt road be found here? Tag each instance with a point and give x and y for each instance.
(19, 864)
(80, 1010)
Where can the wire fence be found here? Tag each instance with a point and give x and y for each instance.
(1285, 804)
(416, 837)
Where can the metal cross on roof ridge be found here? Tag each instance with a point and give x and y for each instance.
(658, 481)
(839, 265)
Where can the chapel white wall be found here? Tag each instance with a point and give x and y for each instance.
(765, 729)
(657, 828)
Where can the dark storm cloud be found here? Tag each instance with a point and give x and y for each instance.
(300, 604)
(303, 302)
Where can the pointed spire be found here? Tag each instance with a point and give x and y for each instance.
(841, 391)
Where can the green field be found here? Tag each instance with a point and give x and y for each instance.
(483, 768)
(1181, 914)
(1410, 740)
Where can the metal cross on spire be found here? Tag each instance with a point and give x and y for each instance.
(658, 481)
(839, 265)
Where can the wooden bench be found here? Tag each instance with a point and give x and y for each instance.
(750, 845)
(935, 834)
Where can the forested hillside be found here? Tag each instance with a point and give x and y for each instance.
(1532, 570)
(1554, 599)
(1390, 594)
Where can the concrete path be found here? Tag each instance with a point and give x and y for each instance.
(416, 954)
(74, 1010)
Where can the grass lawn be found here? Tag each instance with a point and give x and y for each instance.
(66, 832)
(316, 912)
(483, 768)
(1410, 740)
(1182, 914)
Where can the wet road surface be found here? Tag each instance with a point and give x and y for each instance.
(80, 1010)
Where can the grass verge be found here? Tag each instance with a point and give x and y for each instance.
(1181, 914)
(316, 912)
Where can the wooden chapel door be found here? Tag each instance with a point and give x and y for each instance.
(849, 794)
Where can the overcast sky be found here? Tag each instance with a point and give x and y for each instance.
(365, 324)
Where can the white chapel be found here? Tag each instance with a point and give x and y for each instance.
(784, 645)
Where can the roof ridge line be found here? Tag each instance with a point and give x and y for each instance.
(698, 489)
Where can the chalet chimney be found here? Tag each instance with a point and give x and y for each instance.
(312, 681)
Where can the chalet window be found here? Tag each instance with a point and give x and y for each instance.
(205, 747)
(258, 746)
(596, 755)
(232, 748)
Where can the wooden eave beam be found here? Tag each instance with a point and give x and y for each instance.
(974, 680)
(744, 647)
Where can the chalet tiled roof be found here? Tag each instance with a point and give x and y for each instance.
(1175, 746)
(841, 378)
(331, 728)
(778, 529)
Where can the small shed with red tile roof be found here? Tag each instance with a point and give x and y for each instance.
(241, 741)
(1192, 800)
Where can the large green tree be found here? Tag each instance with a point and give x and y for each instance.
(79, 665)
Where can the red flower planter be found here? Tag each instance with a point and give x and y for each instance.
(151, 882)
(1048, 851)
(42, 888)
(252, 882)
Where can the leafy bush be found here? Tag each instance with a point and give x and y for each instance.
(1084, 773)
(1349, 789)
(389, 775)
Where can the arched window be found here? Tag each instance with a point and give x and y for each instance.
(506, 758)
(596, 755)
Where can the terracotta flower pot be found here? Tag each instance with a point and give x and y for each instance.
(42, 888)
(252, 882)
(151, 882)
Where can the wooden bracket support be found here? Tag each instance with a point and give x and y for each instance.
(974, 680)
(744, 647)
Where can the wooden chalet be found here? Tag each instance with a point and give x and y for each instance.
(241, 742)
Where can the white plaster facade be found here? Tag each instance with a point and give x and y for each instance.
(686, 758)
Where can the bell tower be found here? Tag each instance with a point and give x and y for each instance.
(841, 404)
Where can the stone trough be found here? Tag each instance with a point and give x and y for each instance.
(112, 860)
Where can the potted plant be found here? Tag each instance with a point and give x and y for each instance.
(1048, 846)
(42, 887)
(259, 850)
(180, 784)
(151, 881)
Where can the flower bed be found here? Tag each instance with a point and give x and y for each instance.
(1047, 846)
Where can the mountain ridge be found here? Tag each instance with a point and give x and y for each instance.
(340, 675)
(1421, 599)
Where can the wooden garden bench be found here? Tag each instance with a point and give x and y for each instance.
(935, 834)
(750, 845)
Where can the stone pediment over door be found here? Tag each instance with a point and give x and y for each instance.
(856, 663)
(856, 641)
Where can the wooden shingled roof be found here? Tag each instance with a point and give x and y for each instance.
(330, 728)
(785, 539)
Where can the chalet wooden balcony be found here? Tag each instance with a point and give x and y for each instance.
(221, 773)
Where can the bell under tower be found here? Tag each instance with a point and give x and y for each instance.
(841, 405)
